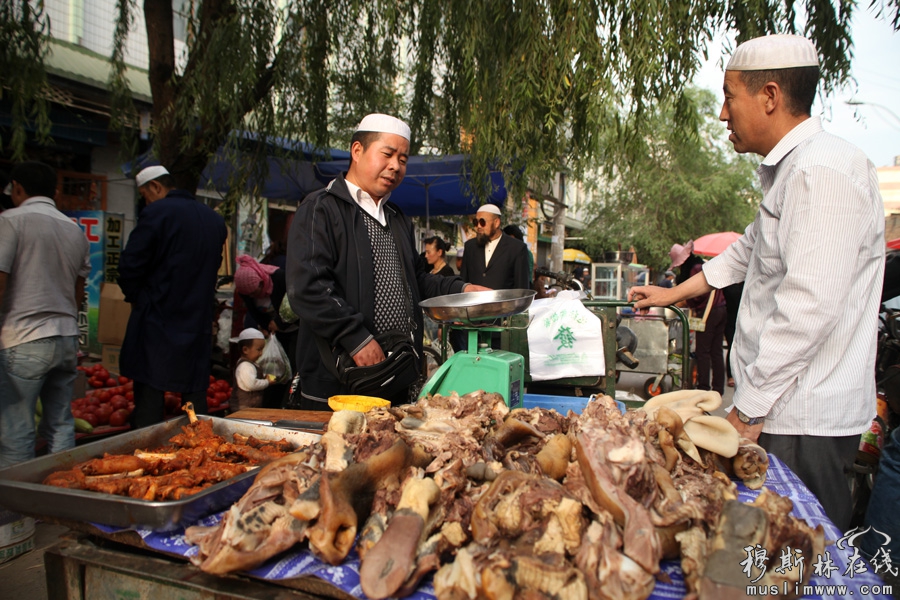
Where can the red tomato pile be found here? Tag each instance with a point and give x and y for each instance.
(111, 400)
(99, 377)
(110, 405)
(218, 393)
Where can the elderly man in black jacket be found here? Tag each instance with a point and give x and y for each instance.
(492, 258)
(353, 270)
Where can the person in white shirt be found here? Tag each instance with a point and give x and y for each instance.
(812, 262)
(44, 261)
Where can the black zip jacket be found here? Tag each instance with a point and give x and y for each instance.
(330, 281)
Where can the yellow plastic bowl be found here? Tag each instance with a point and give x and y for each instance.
(357, 403)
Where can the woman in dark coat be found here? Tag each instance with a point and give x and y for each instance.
(436, 256)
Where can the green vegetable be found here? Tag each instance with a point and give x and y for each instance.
(38, 408)
(82, 426)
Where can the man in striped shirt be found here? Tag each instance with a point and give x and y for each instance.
(812, 262)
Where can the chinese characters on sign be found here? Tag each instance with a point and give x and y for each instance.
(755, 564)
(114, 227)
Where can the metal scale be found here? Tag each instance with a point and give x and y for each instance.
(479, 367)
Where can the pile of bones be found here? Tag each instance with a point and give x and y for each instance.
(507, 504)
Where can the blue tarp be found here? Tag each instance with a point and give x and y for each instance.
(433, 186)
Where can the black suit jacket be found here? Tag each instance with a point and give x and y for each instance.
(508, 269)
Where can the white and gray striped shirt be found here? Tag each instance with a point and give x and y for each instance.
(813, 264)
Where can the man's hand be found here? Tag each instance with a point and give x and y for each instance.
(751, 432)
(471, 287)
(645, 296)
(371, 354)
(273, 326)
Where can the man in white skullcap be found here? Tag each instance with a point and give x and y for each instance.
(812, 262)
(493, 258)
(168, 271)
(353, 270)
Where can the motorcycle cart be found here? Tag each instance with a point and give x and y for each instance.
(483, 315)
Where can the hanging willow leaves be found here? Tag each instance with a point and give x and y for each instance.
(527, 86)
(685, 183)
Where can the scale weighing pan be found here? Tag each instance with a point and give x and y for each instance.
(473, 307)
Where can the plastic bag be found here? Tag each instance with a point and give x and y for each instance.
(286, 312)
(565, 339)
(274, 361)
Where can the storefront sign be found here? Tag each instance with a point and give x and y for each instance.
(92, 223)
(114, 226)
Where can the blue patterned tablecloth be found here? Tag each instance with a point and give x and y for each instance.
(841, 583)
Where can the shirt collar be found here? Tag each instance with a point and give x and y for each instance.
(358, 194)
(39, 200)
(806, 129)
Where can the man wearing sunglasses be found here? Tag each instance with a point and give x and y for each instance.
(494, 259)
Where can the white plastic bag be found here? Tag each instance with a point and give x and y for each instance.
(565, 339)
(274, 361)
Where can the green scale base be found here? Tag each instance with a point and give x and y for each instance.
(498, 371)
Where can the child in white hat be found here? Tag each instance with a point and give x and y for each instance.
(248, 376)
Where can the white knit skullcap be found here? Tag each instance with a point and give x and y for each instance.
(384, 124)
(489, 208)
(149, 174)
(248, 334)
(774, 52)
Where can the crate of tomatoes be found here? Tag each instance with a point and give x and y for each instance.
(110, 400)
(218, 394)
(108, 403)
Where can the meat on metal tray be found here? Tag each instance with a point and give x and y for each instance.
(21, 489)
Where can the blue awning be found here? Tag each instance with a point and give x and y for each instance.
(433, 186)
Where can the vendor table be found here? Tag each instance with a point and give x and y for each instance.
(274, 414)
(300, 570)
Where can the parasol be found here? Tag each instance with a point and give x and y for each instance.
(714, 244)
(576, 256)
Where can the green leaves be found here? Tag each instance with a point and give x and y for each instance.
(23, 82)
(533, 87)
(679, 185)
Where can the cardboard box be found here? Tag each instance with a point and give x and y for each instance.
(110, 357)
(114, 313)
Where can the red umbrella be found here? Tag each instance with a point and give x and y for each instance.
(714, 244)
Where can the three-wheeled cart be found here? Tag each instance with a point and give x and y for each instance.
(484, 316)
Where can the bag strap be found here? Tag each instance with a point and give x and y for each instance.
(712, 296)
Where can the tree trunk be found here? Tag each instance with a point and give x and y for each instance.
(185, 166)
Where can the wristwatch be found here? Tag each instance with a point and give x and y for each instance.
(748, 420)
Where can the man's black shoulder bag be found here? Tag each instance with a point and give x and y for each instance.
(397, 372)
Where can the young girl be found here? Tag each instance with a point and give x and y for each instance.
(248, 376)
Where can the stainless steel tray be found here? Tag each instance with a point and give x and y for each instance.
(473, 307)
(21, 489)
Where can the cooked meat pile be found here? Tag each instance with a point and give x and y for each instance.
(521, 504)
(196, 459)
